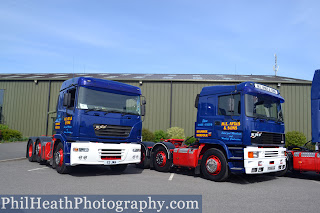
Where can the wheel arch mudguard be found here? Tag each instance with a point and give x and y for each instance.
(43, 142)
(167, 145)
(66, 146)
(218, 145)
(147, 145)
(59, 137)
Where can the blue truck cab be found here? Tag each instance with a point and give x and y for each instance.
(98, 123)
(246, 122)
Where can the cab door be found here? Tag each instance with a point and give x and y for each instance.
(65, 112)
(227, 120)
(205, 117)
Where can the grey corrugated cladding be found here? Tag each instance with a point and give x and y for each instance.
(26, 102)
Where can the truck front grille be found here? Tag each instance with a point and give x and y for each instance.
(111, 154)
(271, 154)
(267, 138)
(112, 130)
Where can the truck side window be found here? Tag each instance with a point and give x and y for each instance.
(202, 108)
(210, 106)
(60, 102)
(73, 97)
(223, 105)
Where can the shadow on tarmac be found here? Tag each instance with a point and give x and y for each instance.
(92, 170)
(303, 175)
(233, 178)
(251, 179)
(86, 171)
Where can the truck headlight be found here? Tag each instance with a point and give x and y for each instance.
(254, 154)
(136, 150)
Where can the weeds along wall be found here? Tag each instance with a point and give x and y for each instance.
(26, 104)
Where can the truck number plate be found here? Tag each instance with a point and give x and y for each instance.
(111, 162)
(271, 168)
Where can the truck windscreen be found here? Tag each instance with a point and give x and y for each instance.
(263, 107)
(94, 100)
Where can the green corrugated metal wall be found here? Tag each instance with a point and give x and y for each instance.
(297, 108)
(158, 104)
(25, 105)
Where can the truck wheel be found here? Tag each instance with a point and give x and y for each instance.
(38, 153)
(29, 153)
(119, 168)
(144, 163)
(214, 165)
(160, 160)
(290, 165)
(290, 161)
(58, 160)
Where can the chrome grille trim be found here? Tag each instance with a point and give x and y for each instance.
(270, 154)
(112, 130)
(117, 153)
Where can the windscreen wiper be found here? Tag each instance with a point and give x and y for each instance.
(112, 111)
(130, 113)
(94, 109)
(258, 116)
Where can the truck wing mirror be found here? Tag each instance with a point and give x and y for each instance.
(280, 115)
(67, 99)
(196, 103)
(143, 100)
(231, 104)
(143, 106)
(143, 110)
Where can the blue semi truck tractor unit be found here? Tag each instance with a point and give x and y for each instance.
(98, 123)
(239, 129)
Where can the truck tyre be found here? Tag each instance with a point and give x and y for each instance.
(119, 168)
(38, 153)
(290, 164)
(144, 163)
(58, 160)
(214, 165)
(29, 153)
(290, 161)
(160, 160)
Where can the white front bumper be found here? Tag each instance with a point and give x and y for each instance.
(104, 153)
(269, 160)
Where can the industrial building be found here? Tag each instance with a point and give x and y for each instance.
(28, 101)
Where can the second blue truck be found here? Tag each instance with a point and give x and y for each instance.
(239, 129)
